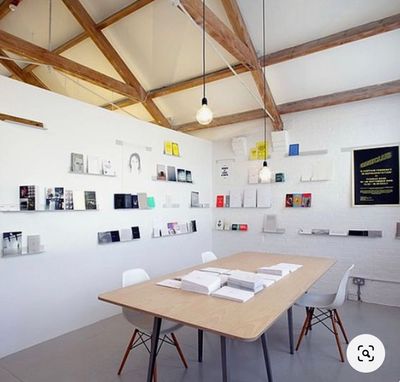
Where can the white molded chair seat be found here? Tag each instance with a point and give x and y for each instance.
(326, 306)
(208, 256)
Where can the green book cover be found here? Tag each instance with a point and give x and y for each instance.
(151, 202)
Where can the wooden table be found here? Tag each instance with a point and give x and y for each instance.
(241, 321)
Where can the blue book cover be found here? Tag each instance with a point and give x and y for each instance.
(294, 149)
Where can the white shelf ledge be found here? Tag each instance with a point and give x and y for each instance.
(88, 173)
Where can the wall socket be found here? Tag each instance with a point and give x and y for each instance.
(358, 281)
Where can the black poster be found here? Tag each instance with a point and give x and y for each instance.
(376, 176)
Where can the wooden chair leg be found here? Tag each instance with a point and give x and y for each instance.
(303, 329)
(155, 373)
(178, 348)
(336, 335)
(341, 326)
(128, 349)
(309, 326)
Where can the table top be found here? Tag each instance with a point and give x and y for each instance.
(244, 321)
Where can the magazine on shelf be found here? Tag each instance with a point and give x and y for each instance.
(135, 232)
(161, 174)
(94, 165)
(54, 198)
(181, 175)
(189, 178)
(90, 200)
(12, 243)
(142, 200)
(171, 174)
(28, 197)
(78, 200)
(108, 167)
(194, 199)
(125, 234)
(77, 163)
(33, 243)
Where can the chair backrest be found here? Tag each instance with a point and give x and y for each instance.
(134, 276)
(208, 256)
(341, 292)
(140, 320)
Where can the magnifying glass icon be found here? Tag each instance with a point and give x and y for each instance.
(365, 353)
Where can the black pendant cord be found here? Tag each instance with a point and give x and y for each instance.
(263, 71)
(204, 50)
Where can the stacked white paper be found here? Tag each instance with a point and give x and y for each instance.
(248, 280)
(281, 269)
(170, 283)
(217, 270)
(233, 294)
(201, 282)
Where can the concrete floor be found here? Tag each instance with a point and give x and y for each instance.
(92, 354)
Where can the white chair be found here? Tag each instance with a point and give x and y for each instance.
(326, 306)
(143, 322)
(208, 256)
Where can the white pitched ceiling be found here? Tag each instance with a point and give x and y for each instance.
(161, 46)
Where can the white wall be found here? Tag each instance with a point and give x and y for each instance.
(371, 122)
(45, 295)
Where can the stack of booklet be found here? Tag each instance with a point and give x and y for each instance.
(201, 282)
(246, 280)
(280, 270)
(233, 294)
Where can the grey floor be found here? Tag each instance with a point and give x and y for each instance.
(92, 354)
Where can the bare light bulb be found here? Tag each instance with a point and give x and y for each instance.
(204, 115)
(265, 174)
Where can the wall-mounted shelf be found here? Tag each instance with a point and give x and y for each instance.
(308, 153)
(277, 231)
(88, 173)
(154, 178)
(359, 233)
(25, 253)
(231, 230)
(313, 180)
(172, 205)
(203, 205)
(241, 208)
(32, 211)
(172, 235)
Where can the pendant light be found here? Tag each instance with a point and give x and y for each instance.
(265, 174)
(204, 115)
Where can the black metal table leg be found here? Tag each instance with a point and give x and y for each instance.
(200, 345)
(225, 369)
(154, 344)
(266, 356)
(290, 326)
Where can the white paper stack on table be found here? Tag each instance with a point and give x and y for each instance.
(246, 280)
(233, 294)
(170, 283)
(280, 270)
(219, 271)
(201, 282)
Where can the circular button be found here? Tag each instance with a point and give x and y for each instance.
(365, 353)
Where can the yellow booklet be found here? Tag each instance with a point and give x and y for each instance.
(253, 153)
(175, 149)
(168, 147)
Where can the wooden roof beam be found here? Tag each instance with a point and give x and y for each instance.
(367, 92)
(27, 77)
(240, 28)
(5, 8)
(26, 49)
(219, 32)
(87, 23)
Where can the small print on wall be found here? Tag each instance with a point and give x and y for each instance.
(376, 176)
(298, 200)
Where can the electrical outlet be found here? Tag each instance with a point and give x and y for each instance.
(358, 281)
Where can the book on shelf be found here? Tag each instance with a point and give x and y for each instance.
(161, 174)
(219, 225)
(122, 201)
(264, 197)
(135, 201)
(200, 282)
(79, 200)
(69, 199)
(183, 228)
(235, 198)
(220, 201)
(28, 198)
(243, 227)
(90, 200)
(194, 199)
(175, 149)
(171, 174)
(227, 225)
(171, 228)
(115, 236)
(170, 283)
(54, 198)
(306, 200)
(233, 294)
(12, 243)
(108, 167)
(227, 201)
(181, 175)
(125, 234)
(77, 163)
(250, 197)
(151, 202)
(253, 176)
(142, 200)
(193, 226)
(135, 232)
(33, 243)
(189, 178)
(279, 177)
(294, 149)
(297, 198)
(94, 165)
(168, 147)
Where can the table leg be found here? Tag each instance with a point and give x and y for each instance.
(225, 370)
(200, 345)
(290, 326)
(266, 356)
(154, 344)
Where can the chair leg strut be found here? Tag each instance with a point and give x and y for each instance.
(303, 329)
(341, 326)
(178, 348)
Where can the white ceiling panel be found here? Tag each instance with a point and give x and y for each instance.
(162, 46)
(292, 22)
(101, 9)
(224, 97)
(362, 63)
(138, 111)
(75, 88)
(4, 71)
(87, 54)
(31, 21)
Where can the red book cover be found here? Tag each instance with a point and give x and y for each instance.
(220, 200)
(243, 227)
